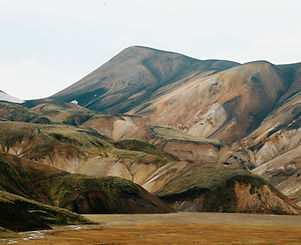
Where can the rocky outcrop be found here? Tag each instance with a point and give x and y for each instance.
(216, 188)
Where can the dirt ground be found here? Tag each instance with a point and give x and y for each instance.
(180, 228)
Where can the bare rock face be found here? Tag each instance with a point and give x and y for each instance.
(134, 75)
(226, 106)
(198, 112)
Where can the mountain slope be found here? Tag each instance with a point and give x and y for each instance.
(220, 189)
(21, 214)
(226, 106)
(78, 193)
(135, 75)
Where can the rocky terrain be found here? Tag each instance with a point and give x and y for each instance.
(135, 75)
(252, 109)
(78, 193)
(202, 135)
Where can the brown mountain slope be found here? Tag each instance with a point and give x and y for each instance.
(135, 75)
(226, 106)
(81, 151)
(144, 163)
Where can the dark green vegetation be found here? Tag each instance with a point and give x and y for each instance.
(14, 112)
(139, 146)
(40, 140)
(207, 177)
(103, 195)
(171, 134)
(21, 214)
(46, 113)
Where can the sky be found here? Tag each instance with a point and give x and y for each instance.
(45, 46)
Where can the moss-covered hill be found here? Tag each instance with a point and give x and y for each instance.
(170, 134)
(46, 113)
(79, 150)
(217, 188)
(21, 214)
(77, 193)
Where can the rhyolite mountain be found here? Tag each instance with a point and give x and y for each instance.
(253, 108)
(135, 75)
(32, 150)
(169, 123)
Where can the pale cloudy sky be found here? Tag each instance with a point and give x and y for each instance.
(46, 45)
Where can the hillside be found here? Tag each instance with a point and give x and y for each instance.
(134, 76)
(78, 193)
(216, 188)
(21, 214)
(151, 117)
(76, 150)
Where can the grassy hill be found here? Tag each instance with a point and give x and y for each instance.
(78, 193)
(216, 188)
(21, 214)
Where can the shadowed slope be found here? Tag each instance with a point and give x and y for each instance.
(21, 214)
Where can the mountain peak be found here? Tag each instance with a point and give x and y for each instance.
(134, 75)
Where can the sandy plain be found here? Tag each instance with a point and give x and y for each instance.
(179, 228)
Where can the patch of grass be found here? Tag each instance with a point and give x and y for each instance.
(214, 182)
(20, 113)
(137, 147)
(43, 139)
(98, 195)
(170, 134)
(113, 189)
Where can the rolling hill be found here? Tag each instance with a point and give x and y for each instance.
(188, 130)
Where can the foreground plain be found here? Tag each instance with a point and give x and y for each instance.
(179, 228)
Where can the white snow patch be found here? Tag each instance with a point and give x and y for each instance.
(74, 102)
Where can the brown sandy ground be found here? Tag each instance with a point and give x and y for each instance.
(180, 228)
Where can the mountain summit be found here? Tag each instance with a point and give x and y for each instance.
(135, 75)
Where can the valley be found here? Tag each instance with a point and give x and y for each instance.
(157, 141)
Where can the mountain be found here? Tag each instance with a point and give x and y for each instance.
(78, 193)
(135, 75)
(201, 135)
(6, 97)
(84, 151)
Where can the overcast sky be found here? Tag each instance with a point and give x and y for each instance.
(46, 46)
